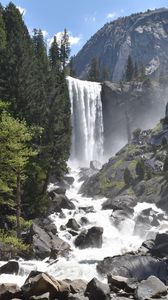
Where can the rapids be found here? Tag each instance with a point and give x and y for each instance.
(82, 263)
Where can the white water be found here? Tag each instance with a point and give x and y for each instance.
(87, 121)
(82, 263)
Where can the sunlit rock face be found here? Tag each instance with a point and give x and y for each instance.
(144, 36)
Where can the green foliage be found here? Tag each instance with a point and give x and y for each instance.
(24, 224)
(11, 240)
(128, 179)
(136, 134)
(94, 71)
(140, 169)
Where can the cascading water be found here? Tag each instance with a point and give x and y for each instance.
(87, 145)
(87, 120)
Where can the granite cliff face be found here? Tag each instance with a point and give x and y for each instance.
(144, 36)
(130, 106)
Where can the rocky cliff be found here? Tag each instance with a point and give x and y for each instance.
(144, 36)
(130, 106)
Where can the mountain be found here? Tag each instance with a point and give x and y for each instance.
(144, 36)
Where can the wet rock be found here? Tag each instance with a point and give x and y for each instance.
(9, 291)
(97, 290)
(122, 283)
(40, 283)
(11, 267)
(87, 209)
(160, 247)
(84, 221)
(142, 225)
(73, 224)
(150, 288)
(43, 243)
(69, 179)
(122, 202)
(146, 247)
(90, 238)
(135, 266)
(59, 201)
(73, 233)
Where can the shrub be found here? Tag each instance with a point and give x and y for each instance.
(127, 177)
(140, 169)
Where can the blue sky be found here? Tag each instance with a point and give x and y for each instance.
(82, 18)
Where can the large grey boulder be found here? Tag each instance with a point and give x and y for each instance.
(150, 288)
(97, 290)
(91, 238)
(135, 266)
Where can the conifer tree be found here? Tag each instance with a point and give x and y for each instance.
(64, 48)
(17, 67)
(94, 71)
(129, 73)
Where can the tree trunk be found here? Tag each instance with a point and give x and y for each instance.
(18, 207)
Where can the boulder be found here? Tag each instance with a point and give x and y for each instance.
(150, 288)
(59, 201)
(124, 202)
(118, 283)
(40, 283)
(97, 290)
(77, 286)
(9, 291)
(73, 224)
(90, 238)
(84, 221)
(135, 266)
(160, 246)
(11, 267)
(43, 242)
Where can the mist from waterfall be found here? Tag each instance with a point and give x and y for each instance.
(87, 121)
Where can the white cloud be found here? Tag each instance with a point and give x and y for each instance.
(90, 19)
(74, 40)
(22, 10)
(111, 15)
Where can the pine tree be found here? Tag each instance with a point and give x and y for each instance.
(14, 157)
(140, 169)
(54, 55)
(94, 71)
(64, 49)
(129, 73)
(17, 66)
(128, 179)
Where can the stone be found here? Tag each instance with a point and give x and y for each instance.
(73, 224)
(91, 238)
(39, 283)
(9, 291)
(11, 267)
(132, 265)
(118, 282)
(150, 288)
(45, 296)
(97, 290)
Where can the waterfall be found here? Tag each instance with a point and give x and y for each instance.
(87, 120)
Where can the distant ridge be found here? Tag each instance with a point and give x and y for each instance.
(144, 36)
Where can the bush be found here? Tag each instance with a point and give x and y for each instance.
(127, 177)
(140, 169)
